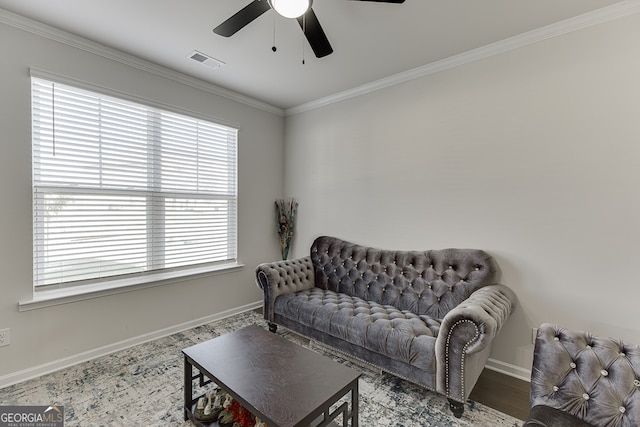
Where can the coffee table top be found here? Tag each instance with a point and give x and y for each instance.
(284, 383)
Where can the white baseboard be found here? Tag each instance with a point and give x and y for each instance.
(56, 365)
(509, 369)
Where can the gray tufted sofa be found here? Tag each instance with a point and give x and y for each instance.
(429, 317)
(579, 380)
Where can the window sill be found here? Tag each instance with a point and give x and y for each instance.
(49, 298)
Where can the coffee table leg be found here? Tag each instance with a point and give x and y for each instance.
(354, 405)
(188, 388)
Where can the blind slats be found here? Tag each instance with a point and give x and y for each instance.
(121, 188)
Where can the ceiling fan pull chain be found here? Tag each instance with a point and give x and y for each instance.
(274, 48)
(304, 33)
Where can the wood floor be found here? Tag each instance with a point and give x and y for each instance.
(503, 393)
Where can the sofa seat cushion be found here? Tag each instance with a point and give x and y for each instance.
(397, 334)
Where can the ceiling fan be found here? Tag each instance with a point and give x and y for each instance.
(299, 9)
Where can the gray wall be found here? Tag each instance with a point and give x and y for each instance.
(532, 155)
(41, 337)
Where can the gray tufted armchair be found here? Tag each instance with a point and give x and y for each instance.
(584, 381)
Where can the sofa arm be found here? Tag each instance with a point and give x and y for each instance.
(277, 278)
(467, 332)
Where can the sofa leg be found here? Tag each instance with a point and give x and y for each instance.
(456, 407)
(273, 327)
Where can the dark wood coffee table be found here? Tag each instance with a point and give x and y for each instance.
(283, 384)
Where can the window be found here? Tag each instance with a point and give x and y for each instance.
(121, 188)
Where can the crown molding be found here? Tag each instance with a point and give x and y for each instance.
(605, 14)
(81, 43)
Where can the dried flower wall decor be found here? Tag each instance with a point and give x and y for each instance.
(286, 211)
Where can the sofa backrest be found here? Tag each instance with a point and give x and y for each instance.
(430, 282)
(596, 379)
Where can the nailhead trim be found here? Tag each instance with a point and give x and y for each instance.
(464, 352)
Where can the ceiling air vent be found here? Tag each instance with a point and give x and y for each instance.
(205, 59)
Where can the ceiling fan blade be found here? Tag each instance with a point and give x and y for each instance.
(315, 34)
(242, 18)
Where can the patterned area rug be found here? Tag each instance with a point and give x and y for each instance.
(142, 386)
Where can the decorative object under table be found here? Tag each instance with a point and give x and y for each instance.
(281, 383)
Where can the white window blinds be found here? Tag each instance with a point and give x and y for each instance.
(122, 188)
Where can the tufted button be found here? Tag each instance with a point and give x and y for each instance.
(585, 396)
(604, 373)
(636, 383)
(572, 365)
(588, 347)
(556, 388)
(622, 409)
(556, 338)
(450, 267)
(622, 354)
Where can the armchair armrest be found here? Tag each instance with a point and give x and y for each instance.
(277, 278)
(466, 333)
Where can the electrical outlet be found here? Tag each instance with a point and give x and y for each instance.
(5, 337)
(534, 334)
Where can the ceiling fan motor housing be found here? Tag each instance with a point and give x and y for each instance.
(291, 8)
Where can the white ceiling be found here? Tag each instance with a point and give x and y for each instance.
(371, 41)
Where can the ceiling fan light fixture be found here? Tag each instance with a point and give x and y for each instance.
(291, 8)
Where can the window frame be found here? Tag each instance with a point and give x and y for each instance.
(115, 284)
